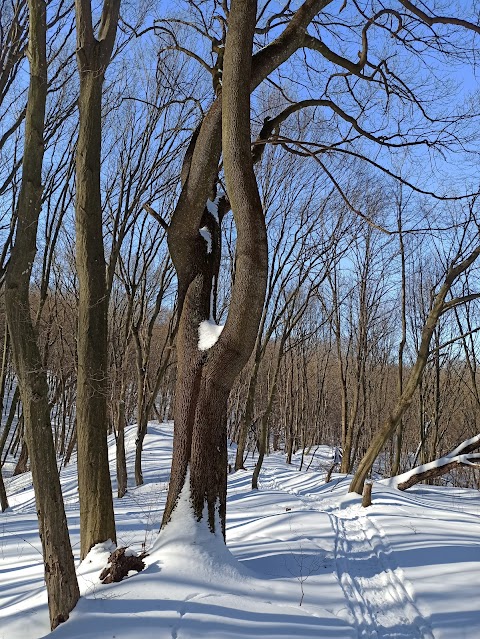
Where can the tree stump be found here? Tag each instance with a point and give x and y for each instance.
(120, 564)
(367, 494)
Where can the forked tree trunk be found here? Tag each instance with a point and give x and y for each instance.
(60, 577)
(205, 378)
(97, 523)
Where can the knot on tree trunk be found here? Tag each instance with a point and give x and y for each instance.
(120, 564)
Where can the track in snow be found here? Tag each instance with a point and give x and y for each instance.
(379, 598)
(375, 589)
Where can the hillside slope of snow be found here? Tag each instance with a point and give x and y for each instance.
(304, 560)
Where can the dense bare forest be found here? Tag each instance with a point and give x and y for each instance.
(259, 221)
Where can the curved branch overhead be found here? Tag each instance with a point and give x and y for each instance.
(291, 35)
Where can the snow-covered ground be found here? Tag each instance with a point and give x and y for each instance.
(305, 561)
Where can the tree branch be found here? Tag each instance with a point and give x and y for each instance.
(156, 216)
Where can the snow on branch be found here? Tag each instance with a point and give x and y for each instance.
(461, 456)
(466, 447)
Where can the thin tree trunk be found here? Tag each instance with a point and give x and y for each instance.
(3, 438)
(121, 461)
(22, 462)
(71, 444)
(145, 409)
(9, 422)
(3, 379)
(60, 577)
(97, 522)
(401, 346)
(263, 442)
(3, 494)
(439, 307)
(247, 417)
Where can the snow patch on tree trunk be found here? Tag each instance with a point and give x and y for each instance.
(212, 206)
(207, 236)
(208, 334)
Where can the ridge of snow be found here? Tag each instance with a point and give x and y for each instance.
(186, 542)
(463, 445)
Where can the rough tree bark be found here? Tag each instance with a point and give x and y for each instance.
(206, 377)
(3, 437)
(3, 494)
(60, 577)
(121, 460)
(97, 521)
(8, 426)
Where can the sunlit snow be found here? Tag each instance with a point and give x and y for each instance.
(405, 568)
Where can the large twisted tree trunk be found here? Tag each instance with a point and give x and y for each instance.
(60, 577)
(206, 377)
(97, 521)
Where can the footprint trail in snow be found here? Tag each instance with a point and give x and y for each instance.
(380, 600)
(375, 589)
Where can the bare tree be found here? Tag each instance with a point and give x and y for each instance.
(440, 305)
(60, 576)
(203, 380)
(97, 521)
(298, 263)
(146, 273)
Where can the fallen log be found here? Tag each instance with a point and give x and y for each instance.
(462, 455)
